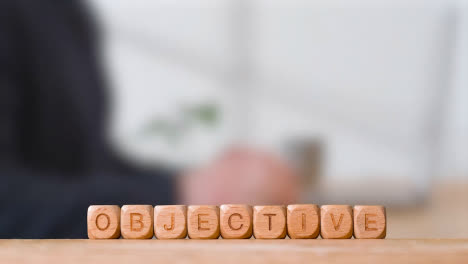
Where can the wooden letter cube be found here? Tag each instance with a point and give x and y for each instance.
(170, 221)
(103, 221)
(370, 221)
(269, 222)
(137, 221)
(336, 221)
(303, 221)
(203, 221)
(236, 221)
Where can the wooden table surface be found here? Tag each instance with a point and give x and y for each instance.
(234, 251)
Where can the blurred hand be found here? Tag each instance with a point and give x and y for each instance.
(241, 175)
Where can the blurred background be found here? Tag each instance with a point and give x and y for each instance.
(352, 102)
(367, 99)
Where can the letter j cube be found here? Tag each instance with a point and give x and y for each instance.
(170, 221)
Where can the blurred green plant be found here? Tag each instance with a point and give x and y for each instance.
(174, 130)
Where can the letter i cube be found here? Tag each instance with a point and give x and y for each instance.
(303, 221)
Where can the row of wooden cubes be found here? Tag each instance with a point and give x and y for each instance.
(236, 221)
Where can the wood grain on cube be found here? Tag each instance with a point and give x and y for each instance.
(203, 221)
(336, 221)
(136, 221)
(170, 221)
(269, 222)
(370, 221)
(303, 221)
(236, 221)
(103, 221)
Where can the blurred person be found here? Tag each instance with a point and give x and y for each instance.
(246, 174)
(54, 157)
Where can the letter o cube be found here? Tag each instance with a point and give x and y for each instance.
(103, 221)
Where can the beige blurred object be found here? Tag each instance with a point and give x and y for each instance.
(103, 221)
(307, 156)
(369, 221)
(241, 175)
(269, 222)
(336, 221)
(170, 221)
(443, 215)
(203, 221)
(303, 221)
(236, 221)
(137, 221)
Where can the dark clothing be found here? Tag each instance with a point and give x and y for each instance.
(54, 159)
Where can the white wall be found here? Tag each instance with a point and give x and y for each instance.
(382, 83)
(454, 153)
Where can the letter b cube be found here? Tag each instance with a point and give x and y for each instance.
(137, 221)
